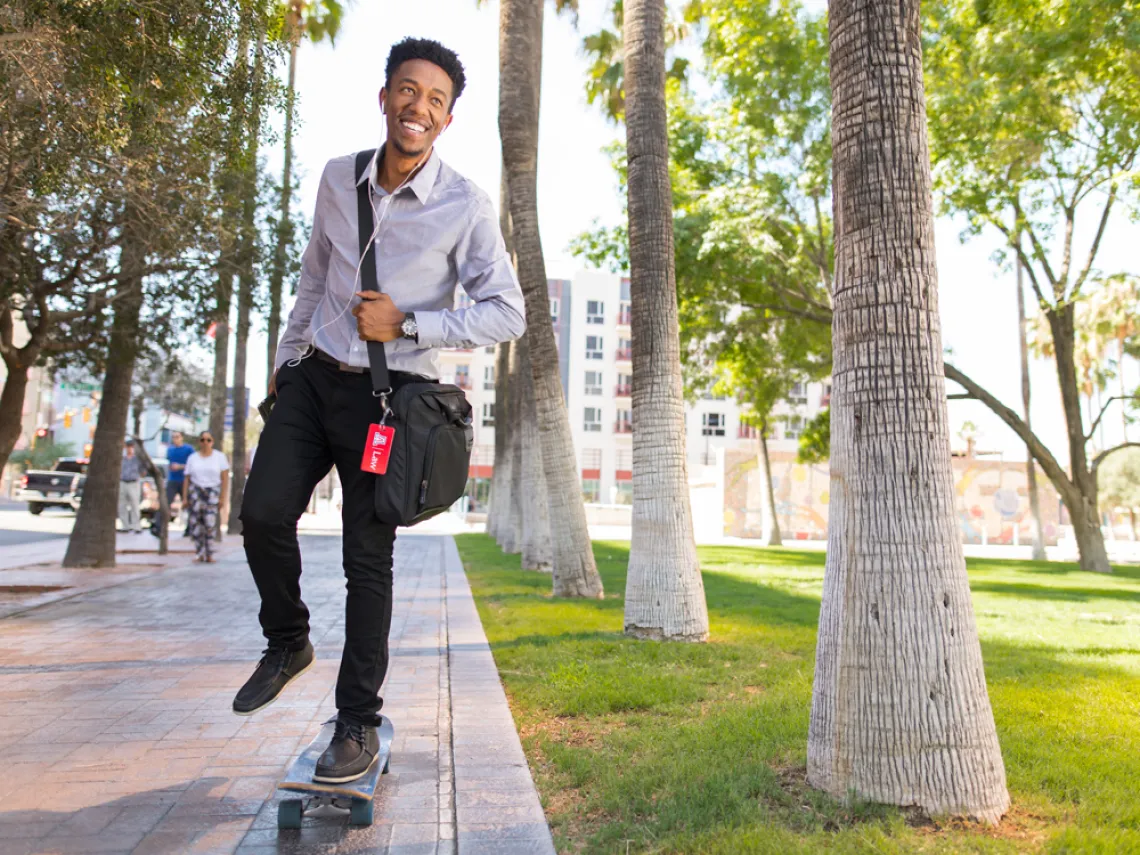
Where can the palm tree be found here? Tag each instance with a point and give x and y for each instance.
(664, 592)
(900, 712)
(520, 71)
(315, 20)
(247, 283)
(1030, 466)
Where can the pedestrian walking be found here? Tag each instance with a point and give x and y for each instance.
(205, 493)
(433, 229)
(130, 516)
(177, 455)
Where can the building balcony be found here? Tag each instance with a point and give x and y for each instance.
(464, 383)
(624, 354)
(623, 319)
(747, 432)
(623, 390)
(623, 427)
(825, 400)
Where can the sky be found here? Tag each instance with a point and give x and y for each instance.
(339, 113)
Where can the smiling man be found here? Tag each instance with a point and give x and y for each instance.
(434, 229)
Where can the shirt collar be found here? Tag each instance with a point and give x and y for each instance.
(421, 185)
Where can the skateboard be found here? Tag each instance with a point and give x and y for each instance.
(358, 793)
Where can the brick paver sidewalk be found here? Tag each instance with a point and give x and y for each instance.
(117, 732)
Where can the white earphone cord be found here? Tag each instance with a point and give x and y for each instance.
(296, 360)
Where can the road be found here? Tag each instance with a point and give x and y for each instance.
(18, 526)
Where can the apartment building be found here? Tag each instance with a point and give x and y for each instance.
(591, 318)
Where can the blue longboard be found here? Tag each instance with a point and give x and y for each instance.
(358, 794)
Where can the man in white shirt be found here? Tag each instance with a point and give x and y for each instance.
(434, 229)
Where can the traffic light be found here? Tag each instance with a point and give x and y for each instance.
(86, 415)
(67, 418)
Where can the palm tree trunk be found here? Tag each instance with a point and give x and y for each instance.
(664, 592)
(92, 541)
(510, 529)
(520, 72)
(247, 281)
(284, 223)
(535, 547)
(498, 506)
(769, 521)
(900, 712)
(501, 480)
(1030, 467)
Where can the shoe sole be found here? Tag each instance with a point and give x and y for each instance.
(283, 688)
(327, 780)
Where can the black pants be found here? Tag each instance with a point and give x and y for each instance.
(321, 420)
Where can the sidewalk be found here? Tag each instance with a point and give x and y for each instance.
(118, 736)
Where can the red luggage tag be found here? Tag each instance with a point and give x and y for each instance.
(377, 449)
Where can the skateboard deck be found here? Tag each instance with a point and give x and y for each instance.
(357, 794)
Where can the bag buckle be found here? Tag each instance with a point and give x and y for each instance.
(386, 410)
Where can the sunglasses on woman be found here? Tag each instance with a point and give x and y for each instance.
(205, 439)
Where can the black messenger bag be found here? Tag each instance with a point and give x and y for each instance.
(431, 451)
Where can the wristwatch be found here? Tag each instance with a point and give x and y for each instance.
(409, 328)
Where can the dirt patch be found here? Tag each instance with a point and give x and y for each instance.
(1018, 824)
(32, 589)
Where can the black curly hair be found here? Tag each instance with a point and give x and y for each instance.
(433, 52)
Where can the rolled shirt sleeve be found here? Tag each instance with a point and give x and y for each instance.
(311, 285)
(485, 272)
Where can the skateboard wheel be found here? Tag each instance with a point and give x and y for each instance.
(387, 763)
(289, 813)
(361, 812)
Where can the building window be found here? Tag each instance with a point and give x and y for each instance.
(595, 312)
(746, 431)
(489, 348)
(489, 414)
(591, 458)
(825, 396)
(623, 313)
(624, 494)
(594, 346)
(625, 349)
(555, 307)
(712, 424)
(624, 462)
(593, 382)
(798, 395)
(624, 423)
(591, 489)
(593, 420)
(624, 386)
(463, 376)
(489, 377)
(794, 427)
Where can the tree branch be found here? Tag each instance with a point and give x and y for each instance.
(1096, 242)
(1100, 458)
(1041, 454)
(1104, 409)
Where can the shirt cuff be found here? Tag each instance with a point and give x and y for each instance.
(429, 329)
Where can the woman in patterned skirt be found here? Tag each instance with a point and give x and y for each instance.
(204, 493)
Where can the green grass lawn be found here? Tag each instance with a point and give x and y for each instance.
(701, 748)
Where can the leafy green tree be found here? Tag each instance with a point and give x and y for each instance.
(41, 455)
(170, 61)
(750, 170)
(1035, 127)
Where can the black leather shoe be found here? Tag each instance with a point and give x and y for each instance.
(277, 669)
(350, 755)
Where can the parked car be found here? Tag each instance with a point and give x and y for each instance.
(62, 487)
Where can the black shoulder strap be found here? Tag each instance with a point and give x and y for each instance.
(377, 359)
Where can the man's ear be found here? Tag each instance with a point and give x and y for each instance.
(447, 124)
(383, 97)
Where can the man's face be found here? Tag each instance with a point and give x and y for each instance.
(176, 437)
(130, 449)
(418, 106)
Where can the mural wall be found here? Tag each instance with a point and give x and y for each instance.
(992, 499)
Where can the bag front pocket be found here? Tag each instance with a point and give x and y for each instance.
(445, 469)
